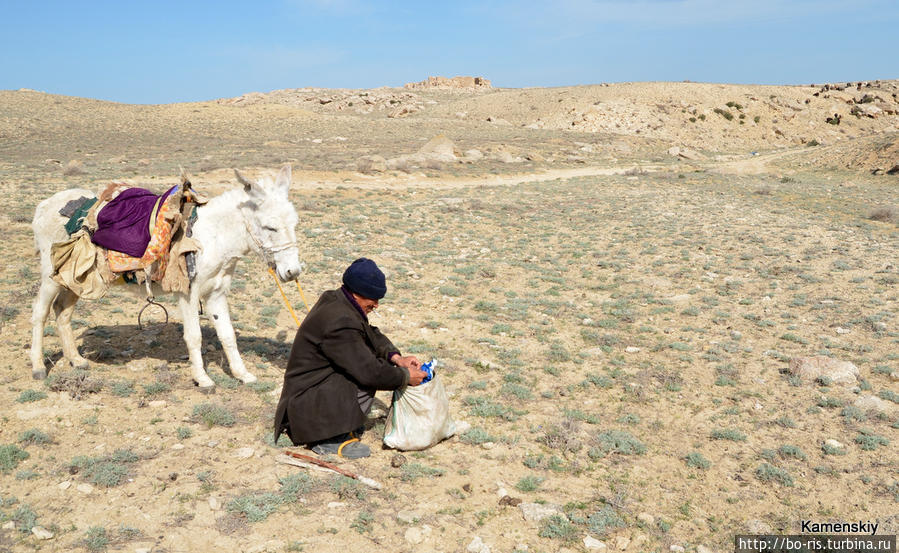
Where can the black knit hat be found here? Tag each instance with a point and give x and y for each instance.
(364, 278)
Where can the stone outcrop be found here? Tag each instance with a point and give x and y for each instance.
(454, 83)
(810, 369)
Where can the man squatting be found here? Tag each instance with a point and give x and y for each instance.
(337, 362)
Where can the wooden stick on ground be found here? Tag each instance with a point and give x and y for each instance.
(300, 460)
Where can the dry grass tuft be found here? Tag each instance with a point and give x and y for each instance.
(74, 168)
(884, 213)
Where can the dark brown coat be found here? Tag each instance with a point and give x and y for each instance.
(336, 353)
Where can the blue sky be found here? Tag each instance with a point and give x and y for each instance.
(162, 51)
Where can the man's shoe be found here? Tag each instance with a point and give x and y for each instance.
(343, 446)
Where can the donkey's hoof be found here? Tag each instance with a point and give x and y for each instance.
(208, 390)
(248, 378)
(39, 374)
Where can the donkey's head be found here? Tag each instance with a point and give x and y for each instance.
(271, 221)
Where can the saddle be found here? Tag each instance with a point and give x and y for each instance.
(130, 232)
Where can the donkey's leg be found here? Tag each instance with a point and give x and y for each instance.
(217, 305)
(64, 306)
(39, 311)
(193, 337)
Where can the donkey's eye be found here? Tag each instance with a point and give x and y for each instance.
(270, 229)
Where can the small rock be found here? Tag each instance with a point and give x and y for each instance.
(84, 488)
(214, 503)
(535, 512)
(336, 505)
(811, 368)
(397, 461)
(703, 549)
(244, 453)
(502, 492)
(677, 548)
(8, 525)
(756, 526)
(408, 517)
(477, 545)
(841, 330)
(646, 519)
(212, 443)
(488, 445)
(631, 349)
(510, 501)
(894, 376)
(414, 536)
(833, 443)
(874, 403)
(157, 403)
(65, 485)
(592, 543)
(41, 533)
(178, 447)
(622, 542)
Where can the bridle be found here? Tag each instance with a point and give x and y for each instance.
(266, 252)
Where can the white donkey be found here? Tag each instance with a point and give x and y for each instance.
(259, 217)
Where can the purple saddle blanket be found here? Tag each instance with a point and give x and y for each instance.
(123, 225)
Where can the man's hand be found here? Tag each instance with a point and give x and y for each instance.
(416, 375)
(407, 362)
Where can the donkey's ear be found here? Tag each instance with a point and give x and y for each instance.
(185, 176)
(283, 180)
(247, 183)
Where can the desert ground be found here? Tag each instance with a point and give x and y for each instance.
(665, 314)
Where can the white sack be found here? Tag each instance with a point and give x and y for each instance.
(419, 417)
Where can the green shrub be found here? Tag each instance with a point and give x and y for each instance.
(557, 527)
(414, 471)
(24, 516)
(696, 460)
(529, 483)
(256, 507)
(363, 522)
(728, 434)
(295, 486)
(214, 415)
(791, 451)
(10, 457)
(28, 396)
(616, 441)
(889, 395)
(33, 436)
(349, 488)
(107, 471)
(724, 113)
(604, 521)
(475, 435)
(869, 441)
(157, 388)
(483, 407)
(122, 388)
(770, 473)
(95, 539)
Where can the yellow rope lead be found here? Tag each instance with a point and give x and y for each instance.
(302, 295)
(283, 295)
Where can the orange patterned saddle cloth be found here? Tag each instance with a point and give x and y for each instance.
(161, 231)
